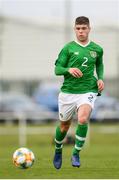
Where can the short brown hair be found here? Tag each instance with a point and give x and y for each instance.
(82, 20)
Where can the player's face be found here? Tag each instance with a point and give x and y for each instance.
(82, 32)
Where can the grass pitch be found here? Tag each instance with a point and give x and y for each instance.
(99, 158)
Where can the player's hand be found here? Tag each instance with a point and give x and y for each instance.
(100, 84)
(75, 72)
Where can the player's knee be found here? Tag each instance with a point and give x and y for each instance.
(83, 120)
(65, 126)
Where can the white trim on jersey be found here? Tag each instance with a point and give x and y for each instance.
(82, 44)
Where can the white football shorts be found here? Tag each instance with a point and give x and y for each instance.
(69, 103)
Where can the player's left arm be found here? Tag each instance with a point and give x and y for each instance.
(100, 71)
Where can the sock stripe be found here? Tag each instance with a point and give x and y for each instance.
(58, 142)
(59, 147)
(80, 138)
(78, 148)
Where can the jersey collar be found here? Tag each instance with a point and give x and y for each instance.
(82, 44)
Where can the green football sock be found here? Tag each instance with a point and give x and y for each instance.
(80, 137)
(59, 136)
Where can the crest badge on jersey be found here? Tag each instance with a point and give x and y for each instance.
(93, 54)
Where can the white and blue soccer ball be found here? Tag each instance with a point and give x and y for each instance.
(23, 158)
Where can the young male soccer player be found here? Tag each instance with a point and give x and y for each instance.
(77, 62)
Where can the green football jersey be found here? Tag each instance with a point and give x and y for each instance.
(89, 59)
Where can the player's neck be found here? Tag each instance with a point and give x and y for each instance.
(83, 43)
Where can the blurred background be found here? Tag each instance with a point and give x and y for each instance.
(32, 32)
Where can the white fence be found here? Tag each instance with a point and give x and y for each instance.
(22, 125)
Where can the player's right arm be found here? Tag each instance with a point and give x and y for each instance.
(61, 62)
(61, 65)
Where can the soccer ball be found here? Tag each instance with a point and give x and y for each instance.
(23, 158)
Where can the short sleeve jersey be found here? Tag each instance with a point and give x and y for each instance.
(88, 59)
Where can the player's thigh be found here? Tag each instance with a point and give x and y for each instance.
(66, 107)
(84, 112)
(85, 104)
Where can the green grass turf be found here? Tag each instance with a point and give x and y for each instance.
(100, 159)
